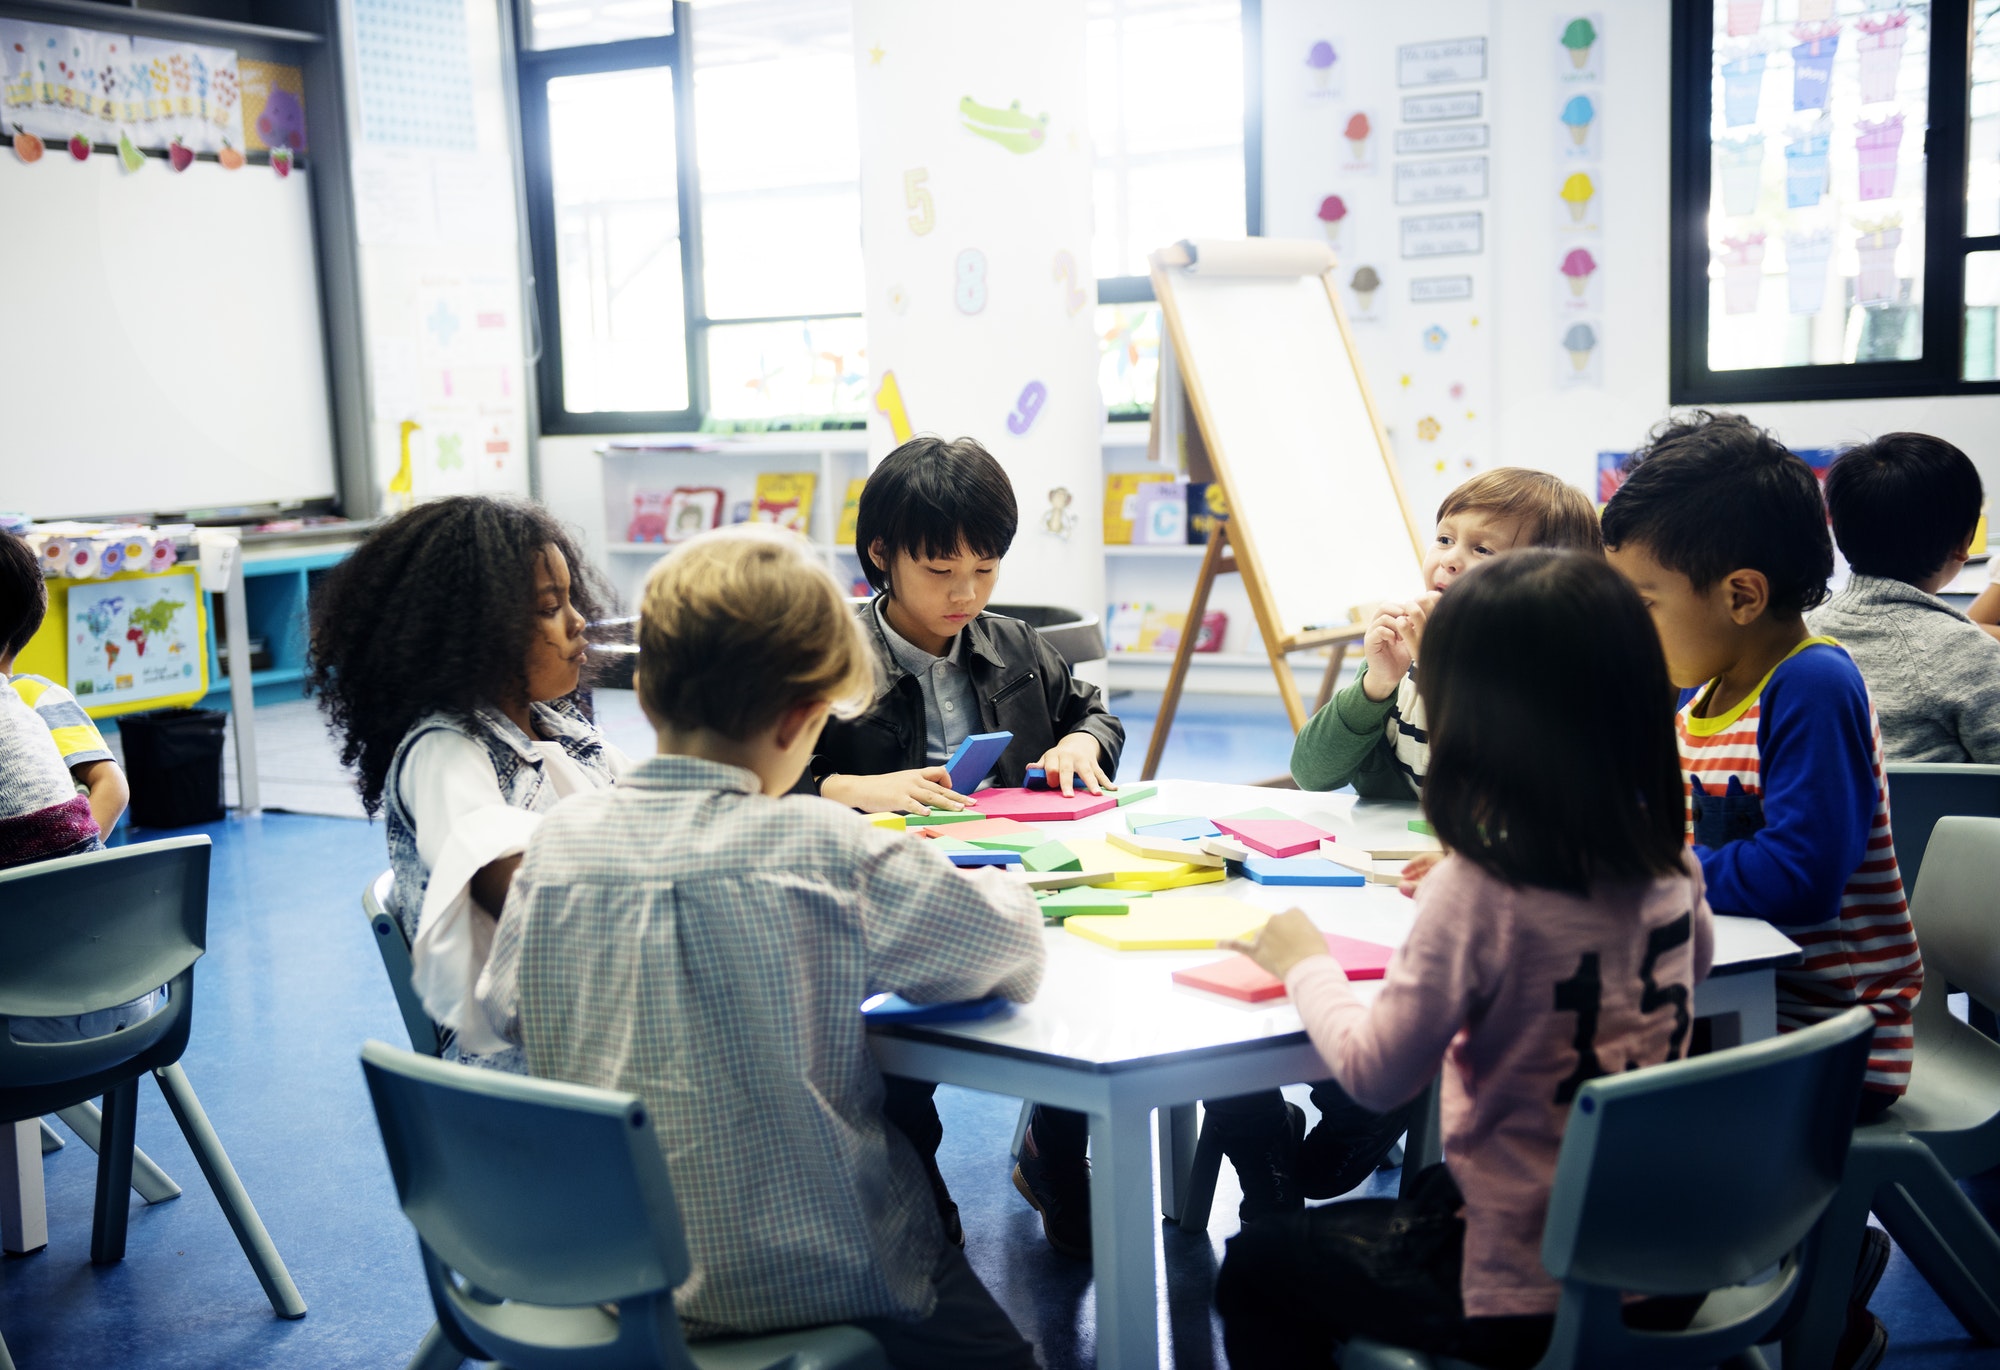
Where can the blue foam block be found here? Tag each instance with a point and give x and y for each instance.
(1298, 870)
(1035, 779)
(1178, 829)
(974, 759)
(983, 857)
(894, 1008)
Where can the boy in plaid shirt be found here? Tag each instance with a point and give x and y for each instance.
(698, 938)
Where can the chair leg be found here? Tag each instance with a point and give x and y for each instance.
(1822, 1303)
(435, 1353)
(114, 1174)
(229, 1192)
(51, 1139)
(1021, 1128)
(1423, 1144)
(153, 1184)
(24, 1215)
(1948, 1241)
(1200, 1195)
(6, 1361)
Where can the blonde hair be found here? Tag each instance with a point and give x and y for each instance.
(1553, 512)
(741, 624)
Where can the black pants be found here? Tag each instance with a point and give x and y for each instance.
(1063, 1136)
(967, 1328)
(911, 1105)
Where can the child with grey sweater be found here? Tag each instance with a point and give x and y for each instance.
(1904, 509)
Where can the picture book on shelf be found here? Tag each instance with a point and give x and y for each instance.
(1121, 492)
(693, 509)
(785, 498)
(850, 512)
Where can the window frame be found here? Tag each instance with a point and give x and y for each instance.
(1940, 370)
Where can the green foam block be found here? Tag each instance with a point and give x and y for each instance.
(1419, 825)
(1132, 794)
(1061, 904)
(1024, 845)
(1051, 856)
(936, 816)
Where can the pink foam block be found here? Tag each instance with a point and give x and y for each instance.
(1238, 977)
(1272, 836)
(1044, 806)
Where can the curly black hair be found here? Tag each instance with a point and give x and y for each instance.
(433, 613)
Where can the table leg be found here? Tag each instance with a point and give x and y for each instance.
(1179, 1132)
(242, 694)
(24, 1218)
(1744, 1007)
(1122, 1229)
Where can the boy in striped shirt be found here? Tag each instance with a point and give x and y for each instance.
(1723, 532)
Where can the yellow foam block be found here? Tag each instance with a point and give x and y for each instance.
(894, 821)
(1099, 855)
(1162, 849)
(1198, 876)
(1171, 924)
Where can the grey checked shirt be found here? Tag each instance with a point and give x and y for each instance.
(708, 948)
(951, 705)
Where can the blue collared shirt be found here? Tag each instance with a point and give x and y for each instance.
(951, 705)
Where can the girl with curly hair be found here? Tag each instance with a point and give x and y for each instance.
(446, 654)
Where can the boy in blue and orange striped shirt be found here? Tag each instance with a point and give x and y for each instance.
(1723, 533)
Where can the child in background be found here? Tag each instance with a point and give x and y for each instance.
(696, 939)
(24, 602)
(446, 654)
(1723, 533)
(934, 521)
(1562, 810)
(1905, 508)
(1372, 734)
(1985, 610)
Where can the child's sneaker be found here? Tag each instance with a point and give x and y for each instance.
(1264, 1158)
(1061, 1194)
(1868, 1269)
(1864, 1342)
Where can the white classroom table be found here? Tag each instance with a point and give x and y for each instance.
(1112, 1036)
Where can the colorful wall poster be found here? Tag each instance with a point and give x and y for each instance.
(135, 641)
(274, 105)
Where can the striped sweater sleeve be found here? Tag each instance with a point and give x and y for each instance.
(1816, 767)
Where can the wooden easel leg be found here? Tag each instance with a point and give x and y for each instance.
(1327, 682)
(1170, 701)
(1288, 688)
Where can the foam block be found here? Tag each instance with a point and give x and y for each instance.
(1238, 977)
(998, 834)
(1173, 829)
(894, 1008)
(939, 816)
(1191, 875)
(895, 822)
(1034, 778)
(1227, 848)
(974, 759)
(1172, 924)
(1298, 870)
(1360, 862)
(1051, 856)
(1133, 794)
(1274, 836)
(1419, 825)
(1063, 880)
(1098, 854)
(977, 856)
(1063, 904)
(1042, 806)
(1162, 848)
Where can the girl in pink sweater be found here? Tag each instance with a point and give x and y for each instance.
(1561, 940)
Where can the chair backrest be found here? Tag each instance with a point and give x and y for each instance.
(395, 949)
(90, 932)
(1922, 792)
(1701, 1173)
(533, 1190)
(1952, 908)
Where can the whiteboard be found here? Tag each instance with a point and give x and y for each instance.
(160, 338)
(1315, 508)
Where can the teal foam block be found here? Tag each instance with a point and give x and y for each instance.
(1299, 870)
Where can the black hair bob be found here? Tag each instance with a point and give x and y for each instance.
(933, 498)
(1903, 504)
(1553, 760)
(433, 613)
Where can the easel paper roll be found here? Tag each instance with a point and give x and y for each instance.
(1258, 257)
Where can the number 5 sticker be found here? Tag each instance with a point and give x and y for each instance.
(919, 199)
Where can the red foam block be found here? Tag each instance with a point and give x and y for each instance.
(1046, 806)
(1273, 836)
(1238, 977)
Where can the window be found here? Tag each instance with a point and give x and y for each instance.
(695, 208)
(1836, 192)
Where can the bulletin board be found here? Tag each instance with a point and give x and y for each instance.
(127, 643)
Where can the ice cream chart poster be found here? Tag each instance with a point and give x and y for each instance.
(138, 641)
(1576, 200)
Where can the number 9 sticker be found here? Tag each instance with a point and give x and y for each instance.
(970, 292)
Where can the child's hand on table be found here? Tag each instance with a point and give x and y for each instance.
(1074, 761)
(1414, 873)
(1282, 943)
(917, 791)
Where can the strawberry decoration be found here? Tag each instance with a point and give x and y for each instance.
(180, 154)
(79, 146)
(281, 161)
(26, 145)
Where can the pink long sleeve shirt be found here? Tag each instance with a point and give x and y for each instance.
(1523, 994)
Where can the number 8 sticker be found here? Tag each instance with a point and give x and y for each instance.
(970, 293)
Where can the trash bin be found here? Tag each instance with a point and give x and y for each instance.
(173, 759)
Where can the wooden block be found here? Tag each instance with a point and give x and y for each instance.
(1274, 837)
(1298, 870)
(1132, 794)
(1042, 806)
(1227, 848)
(895, 822)
(1062, 904)
(1162, 849)
(1063, 880)
(1051, 856)
(1172, 924)
(938, 816)
(1174, 830)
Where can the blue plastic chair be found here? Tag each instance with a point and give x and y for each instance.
(394, 945)
(536, 1204)
(88, 933)
(1947, 1126)
(1922, 792)
(1706, 1176)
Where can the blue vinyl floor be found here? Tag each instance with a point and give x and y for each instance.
(291, 987)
